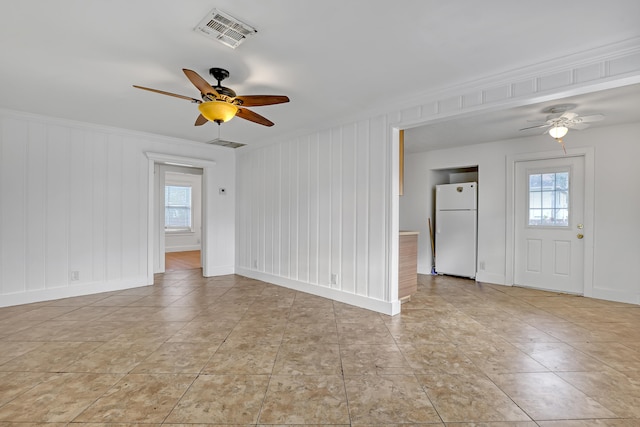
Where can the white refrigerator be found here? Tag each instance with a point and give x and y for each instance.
(456, 229)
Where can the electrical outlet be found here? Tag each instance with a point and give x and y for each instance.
(334, 279)
(481, 265)
(75, 276)
(255, 263)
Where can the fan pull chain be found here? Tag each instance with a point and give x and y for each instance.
(561, 142)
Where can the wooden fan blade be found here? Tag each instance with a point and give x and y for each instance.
(258, 100)
(201, 120)
(243, 113)
(188, 98)
(546, 125)
(202, 85)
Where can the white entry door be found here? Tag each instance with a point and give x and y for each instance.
(549, 215)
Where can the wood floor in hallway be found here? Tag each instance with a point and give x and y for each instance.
(187, 260)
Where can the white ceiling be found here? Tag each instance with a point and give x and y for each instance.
(335, 59)
(619, 105)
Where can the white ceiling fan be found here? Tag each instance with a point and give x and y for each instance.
(560, 121)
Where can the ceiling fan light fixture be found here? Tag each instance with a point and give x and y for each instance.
(218, 111)
(558, 132)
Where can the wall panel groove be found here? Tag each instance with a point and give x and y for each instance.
(35, 209)
(314, 241)
(295, 210)
(336, 207)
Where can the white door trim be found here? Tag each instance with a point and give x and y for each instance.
(589, 189)
(207, 166)
(159, 217)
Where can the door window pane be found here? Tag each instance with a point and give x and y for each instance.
(535, 200)
(549, 199)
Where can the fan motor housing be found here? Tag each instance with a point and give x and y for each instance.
(220, 74)
(225, 91)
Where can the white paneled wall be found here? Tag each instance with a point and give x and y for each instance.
(313, 213)
(75, 197)
(321, 205)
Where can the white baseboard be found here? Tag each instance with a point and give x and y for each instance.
(617, 296)
(486, 277)
(384, 307)
(221, 270)
(74, 290)
(182, 248)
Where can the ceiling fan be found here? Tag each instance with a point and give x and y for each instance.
(220, 104)
(559, 124)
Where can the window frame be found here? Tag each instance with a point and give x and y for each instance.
(178, 229)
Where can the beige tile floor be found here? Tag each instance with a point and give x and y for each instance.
(234, 351)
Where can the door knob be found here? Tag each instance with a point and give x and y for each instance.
(580, 236)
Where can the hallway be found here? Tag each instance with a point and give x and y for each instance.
(186, 260)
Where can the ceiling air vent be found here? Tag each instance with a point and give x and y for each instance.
(224, 143)
(225, 28)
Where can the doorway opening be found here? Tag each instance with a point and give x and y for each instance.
(179, 216)
(182, 217)
(155, 235)
(417, 204)
(454, 233)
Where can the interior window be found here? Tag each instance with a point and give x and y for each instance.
(177, 208)
(549, 199)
